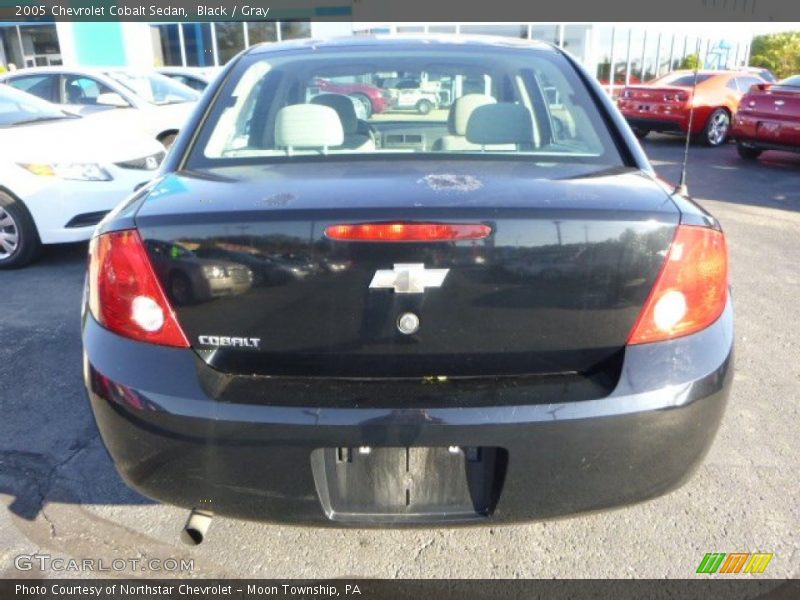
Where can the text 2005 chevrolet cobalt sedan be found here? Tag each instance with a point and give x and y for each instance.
(490, 312)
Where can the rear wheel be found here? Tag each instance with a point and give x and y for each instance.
(747, 152)
(365, 105)
(180, 289)
(640, 133)
(715, 133)
(19, 240)
(424, 106)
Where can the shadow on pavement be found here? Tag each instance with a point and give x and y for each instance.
(50, 450)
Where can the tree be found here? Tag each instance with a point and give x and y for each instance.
(691, 61)
(778, 52)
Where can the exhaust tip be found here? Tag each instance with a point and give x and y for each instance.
(194, 532)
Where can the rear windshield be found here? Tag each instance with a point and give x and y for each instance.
(790, 81)
(524, 105)
(683, 79)
(21, 108)
(154, 87)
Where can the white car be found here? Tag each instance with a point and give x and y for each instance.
(423, 101)
(159, 105)
(60, 173)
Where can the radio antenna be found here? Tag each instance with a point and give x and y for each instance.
(681, 188)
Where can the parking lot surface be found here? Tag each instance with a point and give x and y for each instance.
(62, 496)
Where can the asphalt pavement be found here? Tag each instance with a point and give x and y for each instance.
(63, 498)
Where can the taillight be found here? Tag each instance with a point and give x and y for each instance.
(408, 232)
(690, 292)
(124, 293)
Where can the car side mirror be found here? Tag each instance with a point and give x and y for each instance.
(112, 99)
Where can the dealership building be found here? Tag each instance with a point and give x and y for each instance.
(633, 52)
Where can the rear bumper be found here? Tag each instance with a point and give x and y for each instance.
(172, 441)
(678, 124)
(745, 129)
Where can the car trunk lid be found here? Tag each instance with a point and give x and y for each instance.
(773, 102)
(554, 288)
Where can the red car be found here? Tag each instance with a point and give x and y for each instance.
(372, 99)
(769, 118)
(664, 104)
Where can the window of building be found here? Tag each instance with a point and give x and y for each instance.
(577, 40)
(40, 45)
(258, 33)
(29, 46)
(205, 45)
(648, 70)
(441, 29)
(635, 55)
(546, 33)
(410, 29)
(166, 45)
(621, 40)
(293, 30)
(198, 44)
(230, 40)
(604, 37)
(10, 50)
(513, 30)
(664, 53)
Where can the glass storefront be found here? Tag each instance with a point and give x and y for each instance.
(198, 45)
(213, 44)
(258, 33)
(515, 30)
(618, 55)
(577, 40)
(29, 46)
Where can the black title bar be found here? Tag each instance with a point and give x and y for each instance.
(372, 589)
(405, 10)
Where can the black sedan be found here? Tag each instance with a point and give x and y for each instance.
(497, 312)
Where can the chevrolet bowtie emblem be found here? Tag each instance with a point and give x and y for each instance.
(409, 278)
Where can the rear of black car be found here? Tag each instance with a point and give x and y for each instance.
(519, 324)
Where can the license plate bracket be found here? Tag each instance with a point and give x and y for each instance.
(395, 484)
(768, 128)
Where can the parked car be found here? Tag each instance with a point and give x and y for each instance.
(160, 105)
(196, 78)
(664, 104)
(266, 270)
(417, 99)
(421, 383)
(371, 99)
(60, 173)
(768, 118)
(191, 279)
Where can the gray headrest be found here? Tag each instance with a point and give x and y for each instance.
(500, 124)
(343, 107)
(308, 126)
(462, 109)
